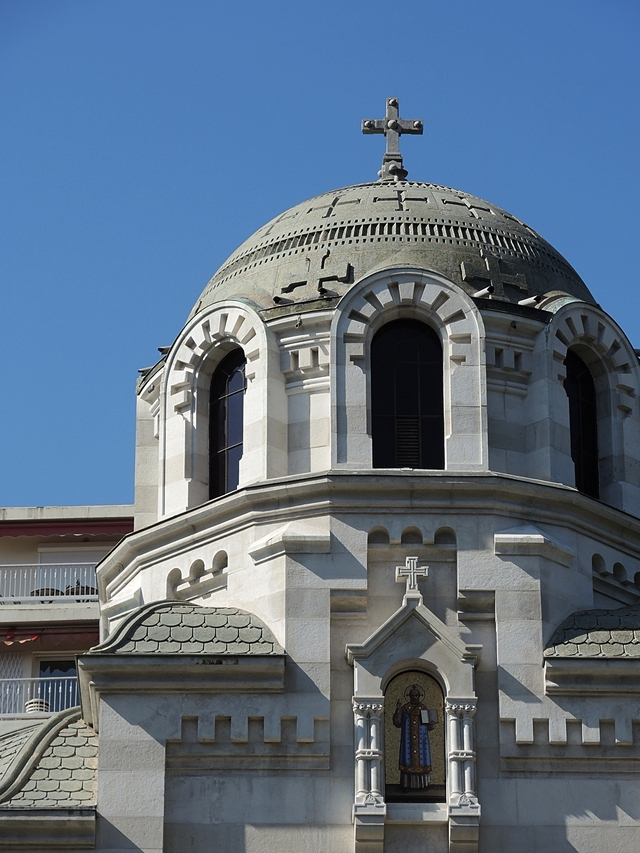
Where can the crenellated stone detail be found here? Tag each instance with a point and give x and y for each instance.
(233, 742)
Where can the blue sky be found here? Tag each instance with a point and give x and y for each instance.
(144, 140)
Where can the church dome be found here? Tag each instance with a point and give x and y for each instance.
(314, 251)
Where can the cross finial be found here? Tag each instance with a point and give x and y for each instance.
(412, 573)
(393, 127)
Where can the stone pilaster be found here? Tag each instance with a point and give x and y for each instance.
(464, 809)
(369, 808)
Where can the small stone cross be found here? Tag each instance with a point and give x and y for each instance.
(412, 573)
(393, 127)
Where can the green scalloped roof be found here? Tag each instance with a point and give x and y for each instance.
(598, 634)
(173, 628)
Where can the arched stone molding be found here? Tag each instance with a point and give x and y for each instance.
(414, 639)
(184, 427)
(604, 347)
(393, 293)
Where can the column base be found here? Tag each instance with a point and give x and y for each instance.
(464, 826)
(368, 826)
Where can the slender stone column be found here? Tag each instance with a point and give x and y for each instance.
(462, 754)
(368, 737)
(362, 768)
(369, 809)
(375, 748)
(455, 784)
(469, 748)
(464, 808)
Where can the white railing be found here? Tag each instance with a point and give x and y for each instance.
(31, 583)
(48, 695)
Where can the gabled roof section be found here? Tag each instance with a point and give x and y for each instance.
(413, 609)
(174, 628)
(414, 636)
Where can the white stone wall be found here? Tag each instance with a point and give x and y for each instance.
(315, 559)
(309, 544)
(307, 406)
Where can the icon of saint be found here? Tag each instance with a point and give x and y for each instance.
(415, 721)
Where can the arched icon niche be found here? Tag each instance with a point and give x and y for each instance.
(414, 739)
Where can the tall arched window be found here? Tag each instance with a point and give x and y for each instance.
(583, 424)
(226, 416)
(406, 396)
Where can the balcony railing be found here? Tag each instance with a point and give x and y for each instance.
(20, 696)
(34, 583)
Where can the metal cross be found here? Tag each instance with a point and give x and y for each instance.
(412, 573)
(393, 127)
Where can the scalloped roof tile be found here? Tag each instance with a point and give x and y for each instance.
(598, 634)
(56, 768)
(170, 628)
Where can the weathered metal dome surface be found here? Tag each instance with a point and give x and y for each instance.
(316, 250)
(170, 627)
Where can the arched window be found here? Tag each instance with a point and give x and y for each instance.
(583, 424)
(226, 416)
(406, 396)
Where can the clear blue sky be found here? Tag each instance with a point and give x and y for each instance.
(143, 140)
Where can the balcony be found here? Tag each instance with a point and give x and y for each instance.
(36, 583)
(25, 696)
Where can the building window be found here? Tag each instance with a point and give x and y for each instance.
(583, 424)
(406, 396)
(226, 415)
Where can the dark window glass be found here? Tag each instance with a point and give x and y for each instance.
(57, 668)
(57, 687)
(406, 396)
(226, 423)
(583, 424)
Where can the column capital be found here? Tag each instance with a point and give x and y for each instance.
(367, 706)
(466, 709)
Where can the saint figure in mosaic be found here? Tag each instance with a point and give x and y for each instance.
(415, 721)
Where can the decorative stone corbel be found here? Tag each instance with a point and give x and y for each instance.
(369, 808)
(464, 809)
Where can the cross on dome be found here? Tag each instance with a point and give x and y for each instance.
(411, 572)
(393, 127)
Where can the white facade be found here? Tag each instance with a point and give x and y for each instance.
(207, 743)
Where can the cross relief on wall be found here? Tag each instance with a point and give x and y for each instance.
(314, 270)
(488, 268)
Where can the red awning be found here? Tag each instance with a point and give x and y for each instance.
(50, 634)
(66, 527)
